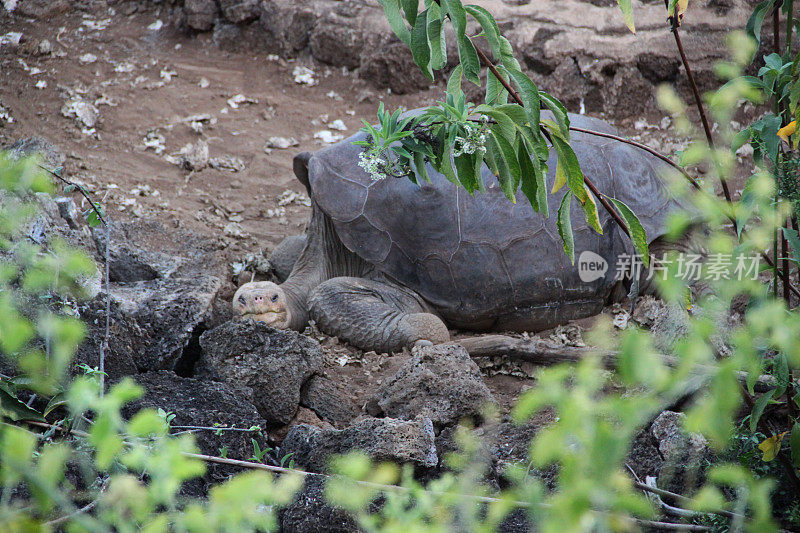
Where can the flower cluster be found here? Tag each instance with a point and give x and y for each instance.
(373, 163)
(473, 141)
(377, 162)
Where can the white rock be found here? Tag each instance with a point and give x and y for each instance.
(338, 125)
(10, 5)
(96, 24)
(328, 137)
(124, 67)
(281, 142)
(41, 84)
(234, 229)
(239, 99)
(289, 196)
(203, 83)
(154, 141)
(194, 156)
(304, 76)
(167, 75)
(621, 320)
(227, 162)
(11, 38)
(155, 26)
(87, 59)
(5, 114)
(83, 112)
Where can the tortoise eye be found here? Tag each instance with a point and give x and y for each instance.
(274, 298)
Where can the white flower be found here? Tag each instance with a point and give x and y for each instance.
(373, 164)
(474, 141)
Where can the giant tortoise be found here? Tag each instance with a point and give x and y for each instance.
(389, 264)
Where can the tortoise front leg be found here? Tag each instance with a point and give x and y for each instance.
(372, 315)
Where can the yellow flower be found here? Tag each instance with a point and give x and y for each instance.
(787, 131)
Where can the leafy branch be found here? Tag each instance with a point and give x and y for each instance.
(456, 138)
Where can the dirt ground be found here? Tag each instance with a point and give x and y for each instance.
(145, 82)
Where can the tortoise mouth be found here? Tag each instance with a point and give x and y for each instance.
(273, 318)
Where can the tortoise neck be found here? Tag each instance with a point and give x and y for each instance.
(324, 257)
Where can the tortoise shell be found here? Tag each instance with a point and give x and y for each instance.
(481, 260)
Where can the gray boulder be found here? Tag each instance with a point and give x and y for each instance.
(200, 15)
(685, 454)
(274, 363)
(146, 250)
(152, 323)
(41, 8)
(439, 382)
(329, 400)
(238, 11)
(205, 404)
(383, 439)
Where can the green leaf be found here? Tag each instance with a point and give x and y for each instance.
(794, 241)
(756, 20)
(565, 227)
(559, 113)
(561, 178)
(627, 14)
(55, 402)
(391, 9)
(495, 92)
(436, 38)
(454, 82)
(469, 60)
(638, 234)
(419, 163)
(420, 49)
(590, 212)
(446, 165)
(490, 29)
(507, 51)
(505, 157)
(533, 185)
(758, 409)
(529, 95)
(458, 16)
(569, 162)
(794, 444)
(15, 409)
(466, 50)
(505, 123)
(410, 8)
(465, 168)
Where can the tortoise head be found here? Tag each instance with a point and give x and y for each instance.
(263, 301)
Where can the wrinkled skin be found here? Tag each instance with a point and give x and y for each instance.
(391, 264)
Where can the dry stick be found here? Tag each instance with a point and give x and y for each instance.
(644, 147)
(83, 510)
(674, 24)
(379, 486)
